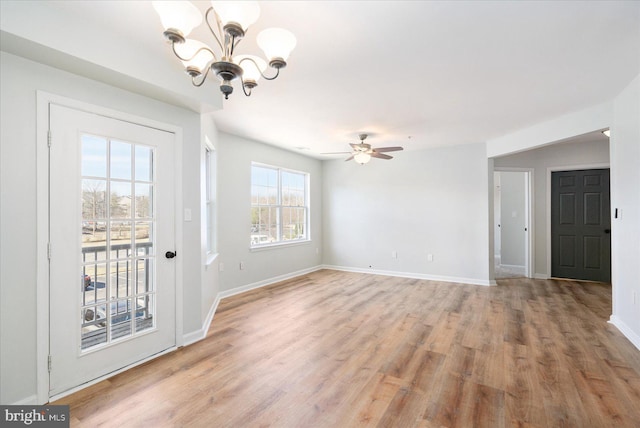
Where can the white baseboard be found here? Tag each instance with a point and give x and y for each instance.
(540, 276)
(265, 282)
(459, 280)
(200, 334)
(513, 267)
(626, 330)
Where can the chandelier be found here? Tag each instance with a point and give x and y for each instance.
(232, 19)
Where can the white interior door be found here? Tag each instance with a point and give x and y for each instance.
(112, 289)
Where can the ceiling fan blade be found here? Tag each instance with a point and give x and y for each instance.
(355, 146)
(388, 149)
(375, 154)
(349, 158)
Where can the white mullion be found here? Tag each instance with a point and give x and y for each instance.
(133, 251)
(107, 280)
(152, 235)
(279, 207)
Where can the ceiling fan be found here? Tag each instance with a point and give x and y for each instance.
(363, 152)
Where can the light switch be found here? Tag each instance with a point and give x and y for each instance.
(187, 214)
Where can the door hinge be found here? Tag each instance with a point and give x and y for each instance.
(49, 363)
(49, 138)
(49, 250)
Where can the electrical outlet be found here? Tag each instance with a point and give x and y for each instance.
(429, 257)
(221, 267)
(394, 254)
(241, 265)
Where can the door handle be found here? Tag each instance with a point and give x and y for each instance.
(170, 254)
(607, 231)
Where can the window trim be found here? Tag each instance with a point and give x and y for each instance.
(210, 206)
(307, 208)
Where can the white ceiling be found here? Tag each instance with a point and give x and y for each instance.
(425, 74)
(416, 73)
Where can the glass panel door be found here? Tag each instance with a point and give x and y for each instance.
(112, 219)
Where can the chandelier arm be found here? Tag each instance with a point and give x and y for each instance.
(233, 45)
(206, 18)
(204, 78)
(173, 46)
(236, 41)
(258, 68)
(244, 89)
(270, 78)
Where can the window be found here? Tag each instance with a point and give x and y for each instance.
(210, 196)
(279, 205)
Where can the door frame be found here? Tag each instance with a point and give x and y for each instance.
(529, 201)
(43, 100)
(604, 165)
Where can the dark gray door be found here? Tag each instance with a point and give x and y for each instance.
(581, 225)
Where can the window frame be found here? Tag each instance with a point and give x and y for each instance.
(278, 206)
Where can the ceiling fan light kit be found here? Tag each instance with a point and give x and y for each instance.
(232, 20)
(363, 152)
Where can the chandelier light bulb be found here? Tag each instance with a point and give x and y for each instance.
(277, 43)
(244, 13)
(362, 158)
(178, 15)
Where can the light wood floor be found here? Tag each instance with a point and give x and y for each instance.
(337, 349)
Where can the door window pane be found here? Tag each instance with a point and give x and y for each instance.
(116, 282)
(144, 312)
(94, 326)
(120, 199)
(94, 196)
(94, 156)
(144, 200)
(144, 163)
(120, 160)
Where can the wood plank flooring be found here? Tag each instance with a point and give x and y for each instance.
(338, 349)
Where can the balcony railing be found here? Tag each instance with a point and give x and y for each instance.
(123, 292)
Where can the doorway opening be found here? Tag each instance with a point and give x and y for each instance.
(512, 228)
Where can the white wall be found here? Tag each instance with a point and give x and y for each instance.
(512, 218)
(625, 196)
(563, 154)
(20, 79)
(235, 155)
(422, 202)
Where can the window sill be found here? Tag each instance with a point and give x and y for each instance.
(279, 245)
